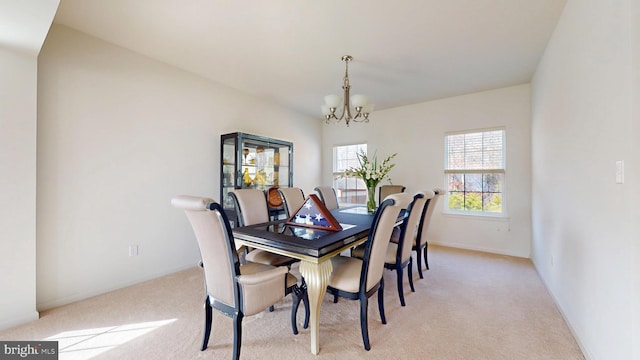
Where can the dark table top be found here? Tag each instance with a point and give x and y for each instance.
(309, 241)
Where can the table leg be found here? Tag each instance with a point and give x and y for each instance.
(316, 275)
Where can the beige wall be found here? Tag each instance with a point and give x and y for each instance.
(584, 224)
(24, 28)
(119, 135)
(416, 133)
(18, 81)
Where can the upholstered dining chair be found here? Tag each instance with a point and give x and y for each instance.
(359, 279)
(293, 199)
(420, 243)
(251, 208)
(398, 255)
(386, 190)
(328, 196)
(233, 289)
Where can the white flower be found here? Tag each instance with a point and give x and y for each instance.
(371, 171)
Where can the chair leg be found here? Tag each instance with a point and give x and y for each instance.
(364, 326)
(237, 334)
(419, 262)
(295, 297)
(426, 260)
(307, 309)
(410, 274)
(208, 317)
(381, 301)
(400, 287)
(271, 308)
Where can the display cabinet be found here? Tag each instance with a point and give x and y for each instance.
(252, 162)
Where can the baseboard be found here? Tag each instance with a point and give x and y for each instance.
(54, 303)
(18, 320)
(477, 248)
(585, 351)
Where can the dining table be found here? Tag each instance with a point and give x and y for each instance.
(313, 247)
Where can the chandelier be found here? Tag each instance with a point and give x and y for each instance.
(359, 102)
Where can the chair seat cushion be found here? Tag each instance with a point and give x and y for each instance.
(346, 273)
(291, 280)
(261, 286)
(390, 256)
(395, 235)
(358, 252)
(253, 268)
(265, 257)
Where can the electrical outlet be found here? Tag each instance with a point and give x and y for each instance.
(620, 172)
(133, 250)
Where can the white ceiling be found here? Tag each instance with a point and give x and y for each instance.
(288, 51)
(24, 24)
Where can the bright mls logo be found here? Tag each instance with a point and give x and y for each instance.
(44, 350)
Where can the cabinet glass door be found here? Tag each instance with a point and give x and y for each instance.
(253, 162)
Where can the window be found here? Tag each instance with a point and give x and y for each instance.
(474, 171)
(349, 190)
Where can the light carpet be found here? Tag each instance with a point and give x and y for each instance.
(470, 305)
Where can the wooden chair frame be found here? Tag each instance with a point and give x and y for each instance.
(399, 265)
(235, 311)
(362, 295)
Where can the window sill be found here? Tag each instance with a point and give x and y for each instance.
(477, 216)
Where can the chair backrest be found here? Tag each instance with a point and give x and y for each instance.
(421, 235)
(376, 245)
(411, 219)
(386, 190)
(293, 198)
(402, 199)
(217, 248)
(328, 196)
(251, 206)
